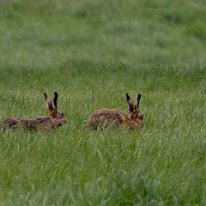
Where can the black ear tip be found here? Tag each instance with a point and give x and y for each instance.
(45, 95)
(138, 99)
(55, 99)
(127, 96)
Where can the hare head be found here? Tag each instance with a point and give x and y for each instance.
(134, 112)
(52, 105)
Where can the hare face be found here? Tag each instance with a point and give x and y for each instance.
(60, 116)
(134, 112)
(136, 115)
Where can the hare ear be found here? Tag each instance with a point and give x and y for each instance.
(49, 103)
(55, 99)
(138, 100)
(130, 103)
(46, 96)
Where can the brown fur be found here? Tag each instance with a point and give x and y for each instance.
(104, 117)
(50, 122)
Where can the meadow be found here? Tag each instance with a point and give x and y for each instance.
(92, 52)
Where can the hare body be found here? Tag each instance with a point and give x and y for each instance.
(53, 120)
(42, 123)
(104, 117)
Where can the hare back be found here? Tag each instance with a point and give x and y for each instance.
(106, 117)
(44, 122)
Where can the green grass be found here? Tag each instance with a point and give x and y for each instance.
(92, 52)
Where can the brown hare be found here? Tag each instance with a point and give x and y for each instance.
(53, 120)
(104, 117)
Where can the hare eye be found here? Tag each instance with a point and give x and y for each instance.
(141, 116)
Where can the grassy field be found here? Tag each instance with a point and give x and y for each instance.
(92, 52)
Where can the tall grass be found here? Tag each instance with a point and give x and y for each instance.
(92, 52)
